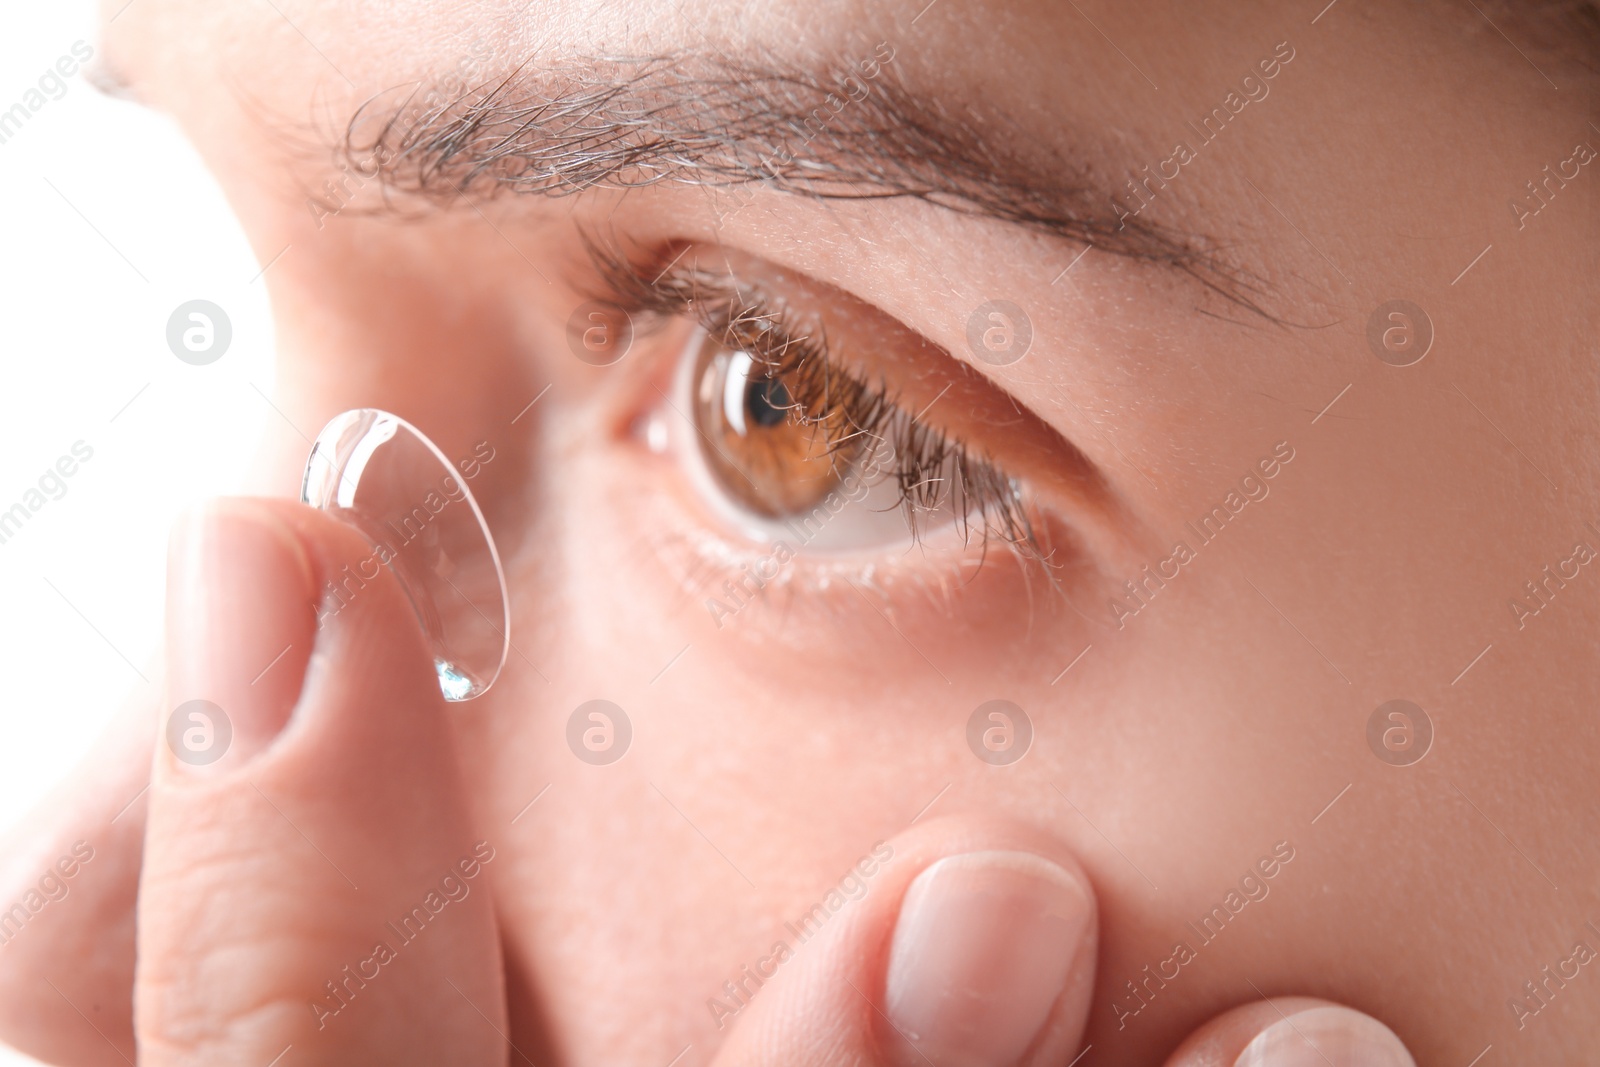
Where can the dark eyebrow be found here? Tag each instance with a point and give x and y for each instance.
(847, 130)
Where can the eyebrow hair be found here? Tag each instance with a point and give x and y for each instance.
(710, 121)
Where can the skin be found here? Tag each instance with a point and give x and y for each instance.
(1218, 721)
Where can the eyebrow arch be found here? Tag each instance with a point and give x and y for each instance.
(688, 118)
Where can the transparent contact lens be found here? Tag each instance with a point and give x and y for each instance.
(379, 474)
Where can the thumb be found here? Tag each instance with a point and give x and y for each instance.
(307, 826)
(973, 946)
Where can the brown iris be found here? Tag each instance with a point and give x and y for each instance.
(769, 452)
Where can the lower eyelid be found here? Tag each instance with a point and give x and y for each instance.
(868, 608)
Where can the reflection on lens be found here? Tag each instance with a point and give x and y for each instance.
(378, 473)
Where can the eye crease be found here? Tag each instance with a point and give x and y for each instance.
(783, 423)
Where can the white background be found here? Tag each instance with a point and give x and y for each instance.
(84, 303)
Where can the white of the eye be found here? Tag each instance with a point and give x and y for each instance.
(733, 389)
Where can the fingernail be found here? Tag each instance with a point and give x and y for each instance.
(241, 621)
(1320, 1037)
(984, 948)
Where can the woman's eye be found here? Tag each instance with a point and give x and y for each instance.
(785, 440)
(766, 449)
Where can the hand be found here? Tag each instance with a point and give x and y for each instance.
(972, 941)
(269, 876)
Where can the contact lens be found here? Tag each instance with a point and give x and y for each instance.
(382, 475)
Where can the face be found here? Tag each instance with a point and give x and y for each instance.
(1196, 380)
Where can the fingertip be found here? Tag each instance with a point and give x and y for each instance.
(1327, 1034)
(240, 626)
(1293, 1032)
(991, 961)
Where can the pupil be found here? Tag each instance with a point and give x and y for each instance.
(767, 403)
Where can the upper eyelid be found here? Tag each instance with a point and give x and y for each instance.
(633, 282)
(641, 290)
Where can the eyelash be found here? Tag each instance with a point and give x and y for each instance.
(983, 499)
